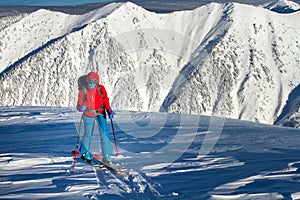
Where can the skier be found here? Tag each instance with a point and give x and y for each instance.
(93, 101)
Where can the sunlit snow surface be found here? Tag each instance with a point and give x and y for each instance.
(169, 156)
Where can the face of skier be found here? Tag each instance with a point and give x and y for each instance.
(92, 83)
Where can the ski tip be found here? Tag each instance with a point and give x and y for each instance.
(74, 153)
(97, 156)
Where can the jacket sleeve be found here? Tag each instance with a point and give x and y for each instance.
(80, 101)
(105, 98)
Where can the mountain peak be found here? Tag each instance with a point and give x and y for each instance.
(129, 8)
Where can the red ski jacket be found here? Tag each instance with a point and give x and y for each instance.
(94, 101)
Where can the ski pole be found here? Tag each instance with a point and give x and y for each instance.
(115, 140)
(76, 149)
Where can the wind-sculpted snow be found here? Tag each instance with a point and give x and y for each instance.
(167, 155)
(230, 60)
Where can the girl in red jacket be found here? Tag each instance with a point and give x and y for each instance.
(93, 102)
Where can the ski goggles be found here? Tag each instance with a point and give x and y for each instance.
(92, 81)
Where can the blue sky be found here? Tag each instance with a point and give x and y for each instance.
(46, 2)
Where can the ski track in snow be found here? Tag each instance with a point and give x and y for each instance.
(249, 161)
(38, 173)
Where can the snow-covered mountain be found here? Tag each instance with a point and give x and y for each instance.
(283, 6)
(233, 60)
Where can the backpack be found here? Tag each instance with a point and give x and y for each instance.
(82, 85)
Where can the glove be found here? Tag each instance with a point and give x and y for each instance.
(82, 108)
(110, 113)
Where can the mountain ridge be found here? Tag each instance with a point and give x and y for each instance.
(283, 6)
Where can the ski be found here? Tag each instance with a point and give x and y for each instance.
(98, 163)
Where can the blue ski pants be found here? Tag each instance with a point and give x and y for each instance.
(89, 123)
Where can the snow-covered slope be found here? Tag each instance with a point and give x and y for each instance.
(24, 37)
(283, 6)
(290, 115)
(233, 60)
(249, 70)
(164, 153)
(8, 20)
